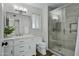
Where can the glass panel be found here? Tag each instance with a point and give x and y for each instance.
(63, 42)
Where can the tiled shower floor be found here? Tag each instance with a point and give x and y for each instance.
(48, 53)
(64, 51)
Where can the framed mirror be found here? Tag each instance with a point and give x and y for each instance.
(21, 23)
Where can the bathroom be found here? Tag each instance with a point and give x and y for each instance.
(39, 29)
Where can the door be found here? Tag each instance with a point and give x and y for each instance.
(1, 30)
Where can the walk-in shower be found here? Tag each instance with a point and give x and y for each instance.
(62, 29)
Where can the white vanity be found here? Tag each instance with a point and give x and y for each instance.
(21, 46)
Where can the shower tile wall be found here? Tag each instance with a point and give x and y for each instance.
(52, 35)
(71, 14)
(68, 40)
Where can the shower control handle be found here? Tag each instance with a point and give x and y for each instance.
(64, 31)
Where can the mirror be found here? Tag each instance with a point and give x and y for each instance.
(21, 23)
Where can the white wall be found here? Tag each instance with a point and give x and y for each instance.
(44, 15)
(45, 23)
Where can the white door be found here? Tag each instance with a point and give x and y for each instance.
(1, 30)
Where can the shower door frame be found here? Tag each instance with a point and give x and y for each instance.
(77, 40)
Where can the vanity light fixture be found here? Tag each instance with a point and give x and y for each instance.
(20, 9)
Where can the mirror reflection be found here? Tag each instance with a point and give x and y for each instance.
(20, 23)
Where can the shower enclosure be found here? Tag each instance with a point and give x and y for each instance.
(62, 29)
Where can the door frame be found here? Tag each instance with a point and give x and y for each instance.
(77, 40)
(1, 29)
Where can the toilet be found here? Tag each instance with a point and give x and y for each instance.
(41, 48)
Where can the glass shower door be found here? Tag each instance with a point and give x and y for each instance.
(54, 33)
(63, 41)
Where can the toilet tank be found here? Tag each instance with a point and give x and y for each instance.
(38, 39)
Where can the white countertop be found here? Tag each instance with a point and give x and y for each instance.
(19, 37)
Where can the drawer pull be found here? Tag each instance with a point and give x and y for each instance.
(21, 41)
(21, 51)
(21, 46)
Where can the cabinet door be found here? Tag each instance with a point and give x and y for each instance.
(8, 50)
(32, 47)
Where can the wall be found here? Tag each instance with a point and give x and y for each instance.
(70, 17)
(72, 14)
(1, 30)
(10, 7)
(45, 23)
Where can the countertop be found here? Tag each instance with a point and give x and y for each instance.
(24, 36)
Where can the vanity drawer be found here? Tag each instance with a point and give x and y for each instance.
(32, 49)
(19, 42)
(21, 47)
(20, 53)
(20, 50)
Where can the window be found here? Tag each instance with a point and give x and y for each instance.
(35, 21)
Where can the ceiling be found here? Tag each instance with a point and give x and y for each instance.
(41, 5)
(53, 5)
